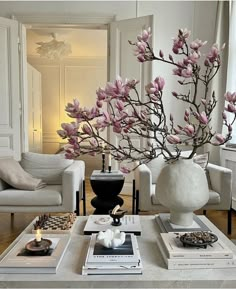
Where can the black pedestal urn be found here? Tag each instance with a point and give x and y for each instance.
(106, 188)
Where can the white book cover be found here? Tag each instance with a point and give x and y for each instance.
(194, 263)
(176, 249)
(18, 260)
(126, 254)
(97, 223)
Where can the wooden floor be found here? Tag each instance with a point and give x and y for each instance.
(11, 227)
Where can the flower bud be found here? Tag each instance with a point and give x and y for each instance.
(175, 94)
(161, 54)
(224, 116)
(171, 58)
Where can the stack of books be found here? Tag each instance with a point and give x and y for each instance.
(176, 256)
(19, 260)
(121, 260)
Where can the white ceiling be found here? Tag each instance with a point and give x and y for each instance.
(84, 42)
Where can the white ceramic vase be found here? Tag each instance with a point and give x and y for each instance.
(182, 187)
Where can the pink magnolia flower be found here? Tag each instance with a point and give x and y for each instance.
(101, 94)
(189, 130)
(188, 72)
(230, 97)
(203, 119)
(86, 129)
(230, 108)
(124, 170)
(146, 34)
(213, 54)
(196, 44)
(119, 105)
(219, 138)
(173, 139)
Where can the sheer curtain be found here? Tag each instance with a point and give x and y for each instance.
(219, 82)
(231, 71)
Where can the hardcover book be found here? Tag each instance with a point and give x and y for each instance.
(175, 248)
(163, 220)
(194, 263)
(124, 259)
(96, 223)
(19, 260)
(123, 270)
(124, 255)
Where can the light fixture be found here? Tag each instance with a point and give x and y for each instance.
(54, 49)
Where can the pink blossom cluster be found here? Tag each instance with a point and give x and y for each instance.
(120, 107)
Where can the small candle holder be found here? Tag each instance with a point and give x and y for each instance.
(116, 217)
(103, 163)
(38, 247)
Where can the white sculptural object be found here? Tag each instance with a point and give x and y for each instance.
(110, 238)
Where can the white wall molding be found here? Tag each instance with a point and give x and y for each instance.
(70, 21)
(63, 81)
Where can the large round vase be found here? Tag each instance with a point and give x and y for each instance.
(182, 187)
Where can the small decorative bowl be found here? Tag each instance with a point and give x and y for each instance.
(199, 239)
(116, 217)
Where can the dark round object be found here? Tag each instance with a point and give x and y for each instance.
(116, 217)
(103, 206)
(107, 189)
(38, 247)
(199, 239)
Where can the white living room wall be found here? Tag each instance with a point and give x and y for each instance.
(169, 16)
(61, 83)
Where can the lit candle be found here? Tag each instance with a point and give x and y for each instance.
(38, 236)
(109, 160)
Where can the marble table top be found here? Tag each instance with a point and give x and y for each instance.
(155, 274)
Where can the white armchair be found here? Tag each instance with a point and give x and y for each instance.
(144, 190)
(63, 191)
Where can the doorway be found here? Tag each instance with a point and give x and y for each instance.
(77, 75)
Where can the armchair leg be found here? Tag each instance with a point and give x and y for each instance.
(84, 198)
(77, 210)
(133, 198)
(229, 221)
(137, 202)
(204, 212)
(12, 214)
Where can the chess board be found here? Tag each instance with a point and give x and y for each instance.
(56, 224)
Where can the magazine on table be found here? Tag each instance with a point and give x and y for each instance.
(19, 260)
(176, 249)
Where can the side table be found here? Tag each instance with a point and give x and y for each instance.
(106, 187)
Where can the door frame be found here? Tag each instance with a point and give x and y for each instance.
(51, 21)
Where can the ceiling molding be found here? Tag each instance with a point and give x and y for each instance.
(68, 21)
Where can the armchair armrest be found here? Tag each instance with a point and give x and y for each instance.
(221, 182)
(143, 183)
(72, 179)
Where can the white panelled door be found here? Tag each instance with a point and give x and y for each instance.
(34, 109)
(125, 64)
(10, 110)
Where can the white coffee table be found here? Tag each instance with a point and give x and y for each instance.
(155, 274)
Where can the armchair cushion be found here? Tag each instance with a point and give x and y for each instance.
(47, 167)
(12, 173)
(47, 196)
